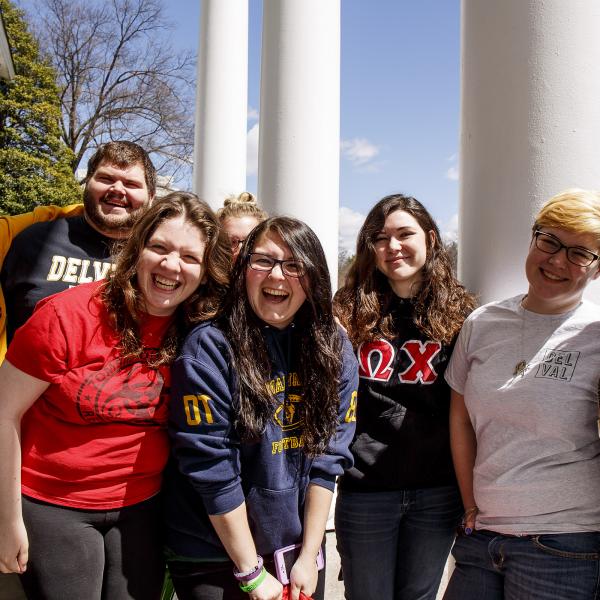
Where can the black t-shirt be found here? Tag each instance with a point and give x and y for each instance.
(48, 258)
(402, 430)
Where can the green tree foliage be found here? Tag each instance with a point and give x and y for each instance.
(452, 249)
(35, 165)
(345, 260)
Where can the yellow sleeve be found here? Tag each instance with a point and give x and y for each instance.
(11, 226)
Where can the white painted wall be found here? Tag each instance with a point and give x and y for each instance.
(530, 127)
(298, 168)
(221, 101)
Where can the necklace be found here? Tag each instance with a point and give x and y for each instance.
(521, 366)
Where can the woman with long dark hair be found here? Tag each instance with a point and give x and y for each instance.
(402, 307)
(83, 411)
(262, 414)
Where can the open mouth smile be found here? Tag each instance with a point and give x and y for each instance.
(115, 201)
(551, 276)
(273, 295)
(162, 283)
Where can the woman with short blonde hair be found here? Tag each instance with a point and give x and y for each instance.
(524, 379)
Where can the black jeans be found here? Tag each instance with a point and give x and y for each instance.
(215, 581)
(91, 554)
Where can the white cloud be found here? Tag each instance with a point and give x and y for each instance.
(359, 151)
(350, 223)
(252, 150)
(452, 173)
(252, 114)
(449, 230)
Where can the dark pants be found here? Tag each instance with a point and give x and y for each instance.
(562, 566)
(93, 555)
(394, 545)
(215, 581)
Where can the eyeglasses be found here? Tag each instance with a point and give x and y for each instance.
(550, 244)
(235, 243)
(263, 262)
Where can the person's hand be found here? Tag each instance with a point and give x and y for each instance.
(269, 589)
(287, 595)
(14, 547)
(468, 521)
(303, 577)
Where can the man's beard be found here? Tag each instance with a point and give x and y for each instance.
(109, 224)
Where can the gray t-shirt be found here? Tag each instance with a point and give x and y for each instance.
(538, 454)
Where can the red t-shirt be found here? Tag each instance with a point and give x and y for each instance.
(96, 438)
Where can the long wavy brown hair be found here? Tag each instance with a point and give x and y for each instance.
(317, 345)
(363, 304)
(124, 300)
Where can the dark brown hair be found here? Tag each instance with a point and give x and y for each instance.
(123, 298)
(317, 343)
(123, 154)
(363, 304)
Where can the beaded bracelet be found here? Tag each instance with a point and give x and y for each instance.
(244, 576)
(250, 587)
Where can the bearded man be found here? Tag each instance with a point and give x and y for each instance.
(52, 256)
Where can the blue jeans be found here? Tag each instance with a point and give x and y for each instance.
(535, 567)
(394, 545)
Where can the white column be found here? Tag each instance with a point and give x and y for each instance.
(221, 101)
(530, 127)
(299, 141)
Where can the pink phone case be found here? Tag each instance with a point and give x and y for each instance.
(285, 559)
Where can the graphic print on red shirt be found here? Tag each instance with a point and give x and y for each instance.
(121, 392)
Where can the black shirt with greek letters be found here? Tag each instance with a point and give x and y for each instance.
(402, 432)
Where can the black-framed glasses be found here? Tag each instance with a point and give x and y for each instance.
(550, 244)
(236, 243)
(266, 263)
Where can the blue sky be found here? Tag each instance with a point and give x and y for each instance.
(399, 102)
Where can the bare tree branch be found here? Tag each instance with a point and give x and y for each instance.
(120, 78)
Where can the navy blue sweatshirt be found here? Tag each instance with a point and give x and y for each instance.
(213, 471)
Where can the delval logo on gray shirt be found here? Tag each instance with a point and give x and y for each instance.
(557, 364)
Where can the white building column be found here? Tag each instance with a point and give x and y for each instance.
(299, 141)
(530, 127)
(221, 101)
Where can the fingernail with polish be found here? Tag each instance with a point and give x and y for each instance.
(468, 531)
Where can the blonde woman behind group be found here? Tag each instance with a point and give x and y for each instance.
(238, 217)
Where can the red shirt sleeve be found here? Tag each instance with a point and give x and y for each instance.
(39, 347)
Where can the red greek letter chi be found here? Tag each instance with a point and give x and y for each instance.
(421, 354)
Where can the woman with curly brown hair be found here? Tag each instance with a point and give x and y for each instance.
(398, 507)
(83, 401)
